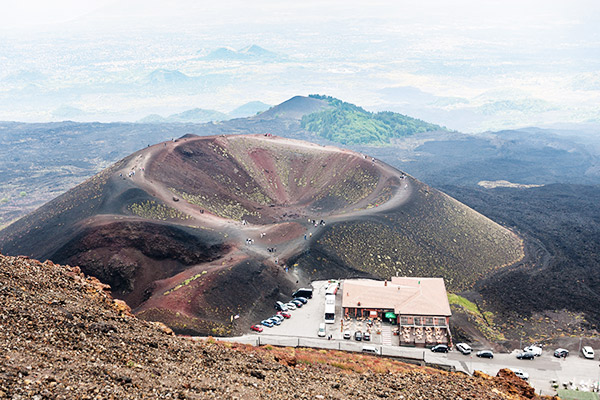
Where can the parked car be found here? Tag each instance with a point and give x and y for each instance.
(367, 336)
(464, 348)
(307, 293)
(560, 352)
(520, 373)
(298, 303)
(278, 317)
(358, 336)
(526, 355)
(285, 314)
(485, 354)
(321, 332)
(257, 328)
(304, 300)
(279, 306)
(275, 321)
(588, 352)
(536, 350)
(291, 306)
(267, 322)
(440, 348)
(347, 334)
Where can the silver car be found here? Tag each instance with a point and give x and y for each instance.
(464, 348)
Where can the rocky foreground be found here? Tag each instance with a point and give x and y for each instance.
(63, 337)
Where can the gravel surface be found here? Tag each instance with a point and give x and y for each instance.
(63, 337)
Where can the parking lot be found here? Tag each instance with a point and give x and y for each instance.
(305, 321)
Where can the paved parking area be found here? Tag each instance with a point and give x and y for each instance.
(305, 321)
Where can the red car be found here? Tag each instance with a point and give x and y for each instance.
(257, 328)
(284, 314)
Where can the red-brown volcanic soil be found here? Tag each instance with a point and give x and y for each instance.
(193, 231)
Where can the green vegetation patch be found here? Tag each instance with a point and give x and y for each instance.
(218, 205)
(577, 395)
(349, 124)
(358, 184)
(483, 320)
(185, 283)
(153, 210)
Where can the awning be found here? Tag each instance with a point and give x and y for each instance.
(390, 315)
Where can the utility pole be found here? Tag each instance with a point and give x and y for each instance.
(580, 339)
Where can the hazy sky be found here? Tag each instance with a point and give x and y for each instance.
(467, 64)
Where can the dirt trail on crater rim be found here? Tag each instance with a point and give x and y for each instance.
(192, 231)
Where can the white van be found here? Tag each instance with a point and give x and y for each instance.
(321, 330)
(370, 349)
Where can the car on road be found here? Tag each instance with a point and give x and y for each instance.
(560, 352)
(304, 300)
(464, 348)
(298, 303)
(321, 332)
(520, 373)
(485, 354)
(587, 352)
(366, 336)
(536, 350)
(267, 322)
(370, 349)
(526, 355)
(358, 336)
(347, 334)
(279, 306)
(257, 328)
(440, 348)
(285, 314)
(291, 306)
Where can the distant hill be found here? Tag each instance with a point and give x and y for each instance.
(249, 109)
(349, 124)
(166, 76)
(195, 115)
(248, 53)
(295, 108)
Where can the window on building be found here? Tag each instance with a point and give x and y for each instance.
(428, 321)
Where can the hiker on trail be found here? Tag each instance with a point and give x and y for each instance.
(305, 236)
(310, 234)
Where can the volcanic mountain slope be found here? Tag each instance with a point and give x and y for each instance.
(194, 231)
(63, 337)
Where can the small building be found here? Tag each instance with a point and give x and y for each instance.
(419, 306)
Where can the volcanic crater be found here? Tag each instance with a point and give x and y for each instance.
(193, 231)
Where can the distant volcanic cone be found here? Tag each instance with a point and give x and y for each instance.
(194, 231)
